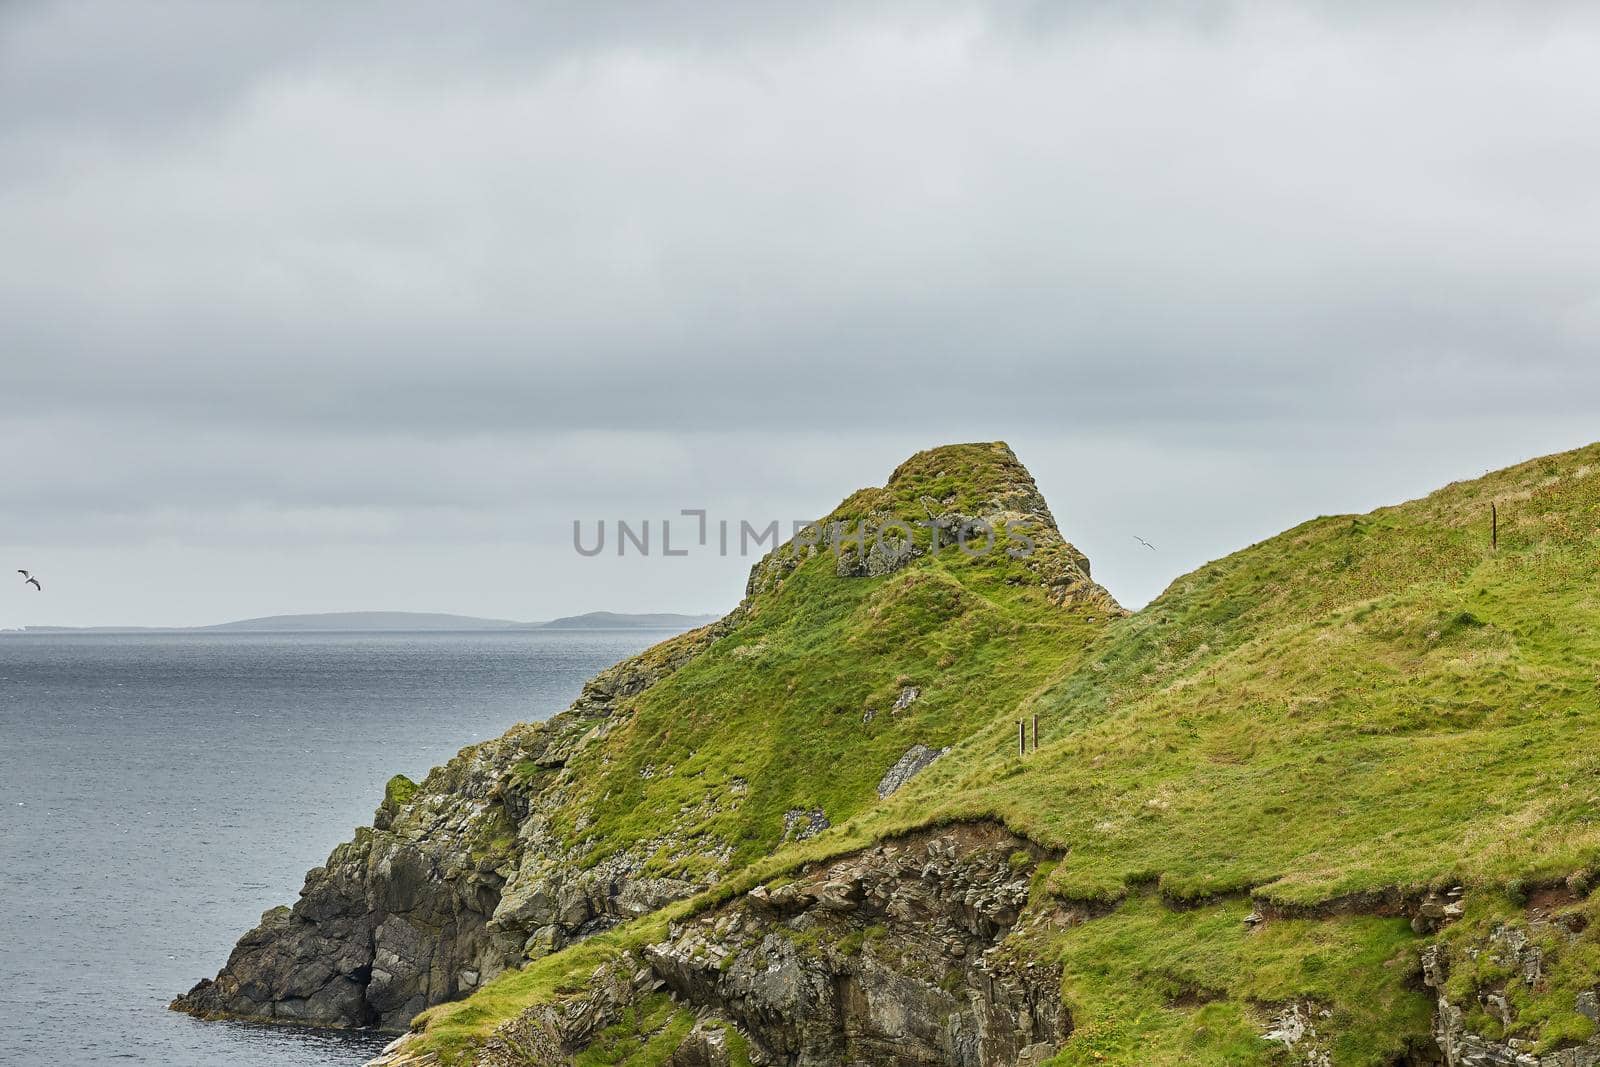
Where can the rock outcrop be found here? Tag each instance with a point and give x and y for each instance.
(918, 758)
(895, 956)
(1515, 960)
(880, 531)
(553, 1033)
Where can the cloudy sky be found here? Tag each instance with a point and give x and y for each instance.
(309, 307)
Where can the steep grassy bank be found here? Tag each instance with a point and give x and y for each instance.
(839, 662)
(1356, 704)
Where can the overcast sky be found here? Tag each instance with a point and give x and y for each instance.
(310, 307)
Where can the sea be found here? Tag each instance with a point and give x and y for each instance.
(158, 792)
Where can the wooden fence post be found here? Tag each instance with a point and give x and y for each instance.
(1494, 528)
(1022, 739)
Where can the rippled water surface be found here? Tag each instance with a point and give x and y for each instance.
(159, 792)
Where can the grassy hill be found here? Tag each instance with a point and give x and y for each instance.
(1252, 785)
(828, 677)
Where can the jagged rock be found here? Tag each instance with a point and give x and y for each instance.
(914, 972)
(917, 758)
(791, 898)
(884, 957)
(706, 1046)
(1435, 911)
(1294, 1027)
(879, 557)
(554, 1031)
(1463, 1048)
(799, 824)
(401, 1052)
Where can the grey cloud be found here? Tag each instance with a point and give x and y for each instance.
(395, 271)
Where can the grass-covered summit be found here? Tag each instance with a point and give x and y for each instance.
(847, 651)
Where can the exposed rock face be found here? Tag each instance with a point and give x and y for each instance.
(890, 957)
(1295, 1026)
(917, 759)
(1461, 1047)
(454, 882)
(799, 824)
(879, 557)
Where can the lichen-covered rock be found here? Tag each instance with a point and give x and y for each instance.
(800, 825)
(1296, 1026)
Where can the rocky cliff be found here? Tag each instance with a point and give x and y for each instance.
(456, 879)
(647, 790)
(895, 956)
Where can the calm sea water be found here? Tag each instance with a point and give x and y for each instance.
(158, 793)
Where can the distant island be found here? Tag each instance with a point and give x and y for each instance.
(350, 621)
(611, 620)
(370, 620)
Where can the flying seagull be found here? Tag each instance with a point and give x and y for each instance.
(1143, 542)
(28, 579)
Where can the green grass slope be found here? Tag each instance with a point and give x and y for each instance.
(1319, 727)
(826, 680)
(1356, 705)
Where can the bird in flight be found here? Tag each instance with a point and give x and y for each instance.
(1143, 542)
(28, 579)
